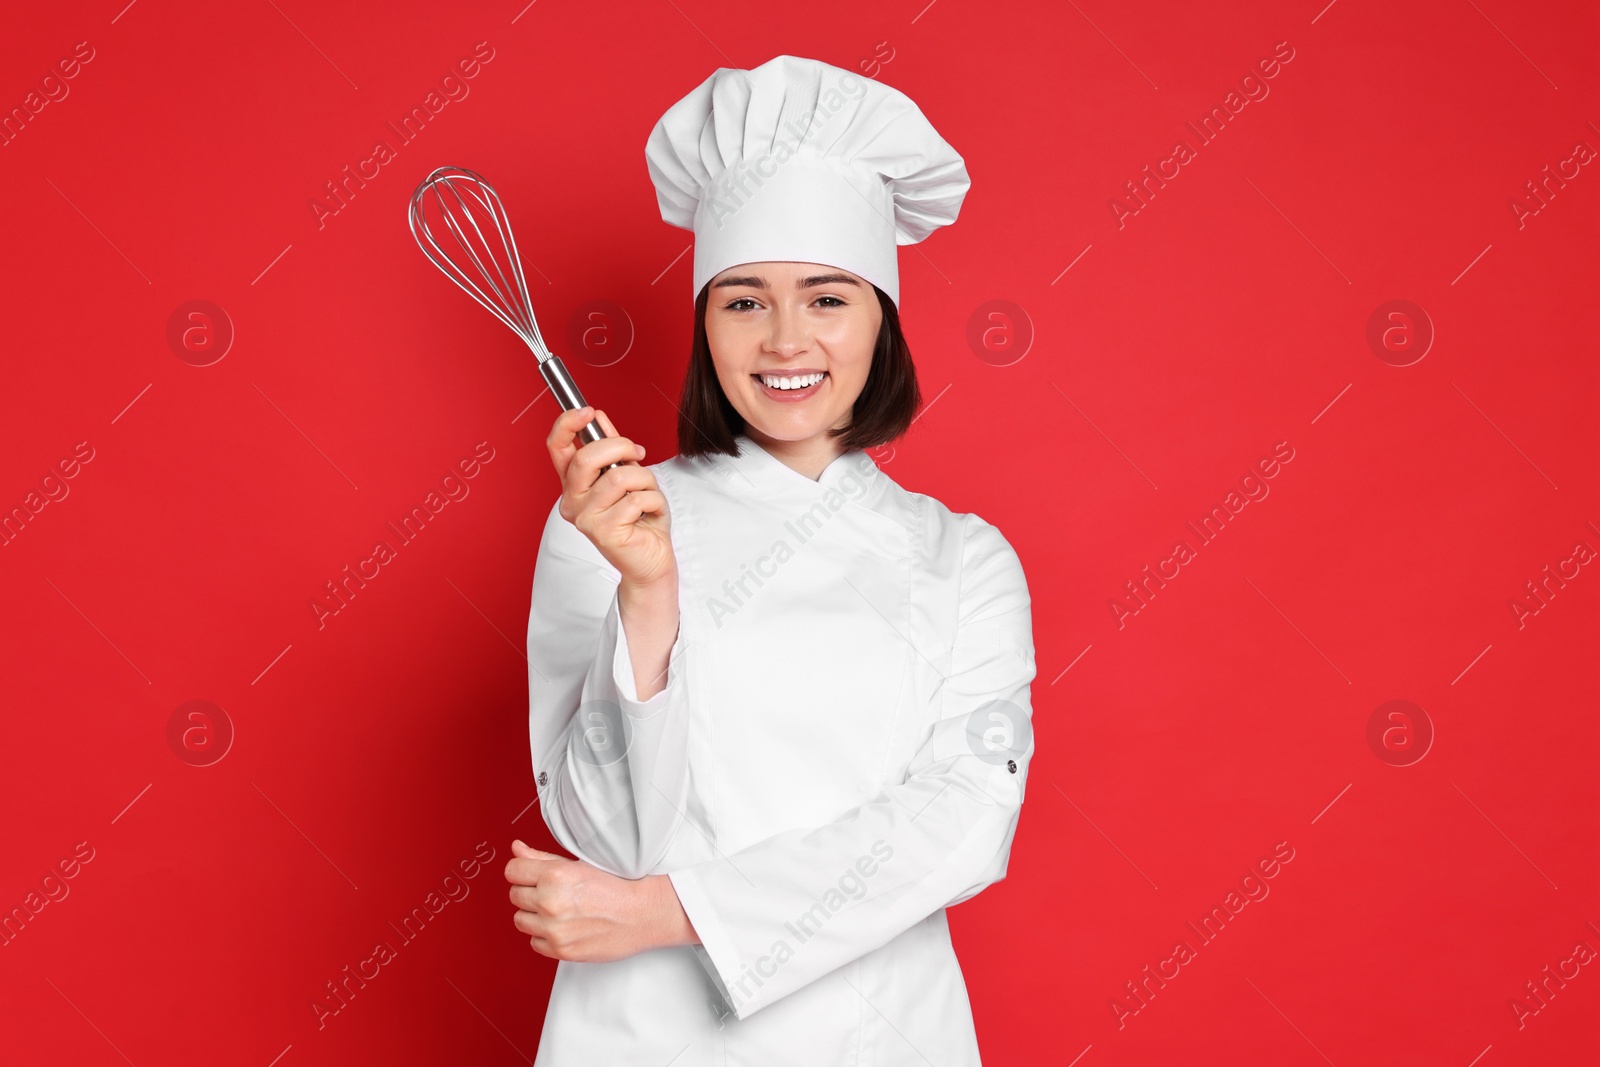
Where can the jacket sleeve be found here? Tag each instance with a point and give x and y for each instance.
(611, 769)
(787, 910)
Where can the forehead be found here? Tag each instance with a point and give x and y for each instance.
(781, 272)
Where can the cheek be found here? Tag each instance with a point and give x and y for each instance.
(727, 351)
(851, 345)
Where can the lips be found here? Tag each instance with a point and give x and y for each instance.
(792, 395)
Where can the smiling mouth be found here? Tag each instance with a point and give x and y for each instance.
(791, 390)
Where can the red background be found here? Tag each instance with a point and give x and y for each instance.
(1176, 747)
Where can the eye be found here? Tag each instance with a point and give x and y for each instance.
(836, 301)
(729, 306)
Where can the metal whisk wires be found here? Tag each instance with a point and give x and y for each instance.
(461, 225)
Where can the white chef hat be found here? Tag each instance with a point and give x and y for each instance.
(799, 160)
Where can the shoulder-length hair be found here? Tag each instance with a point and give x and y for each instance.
(708, 423)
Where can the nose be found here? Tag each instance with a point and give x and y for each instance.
(791, 333)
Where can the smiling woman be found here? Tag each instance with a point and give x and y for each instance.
(761, 662)
(783, 320)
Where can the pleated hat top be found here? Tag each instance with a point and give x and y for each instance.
(798, 160)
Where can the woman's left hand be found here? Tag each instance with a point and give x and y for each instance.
(572, 910)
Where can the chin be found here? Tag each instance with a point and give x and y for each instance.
(792, 430)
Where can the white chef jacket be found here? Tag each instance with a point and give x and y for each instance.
(838, 755)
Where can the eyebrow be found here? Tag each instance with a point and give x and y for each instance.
(757, 282)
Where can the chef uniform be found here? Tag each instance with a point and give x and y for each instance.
(841, 746)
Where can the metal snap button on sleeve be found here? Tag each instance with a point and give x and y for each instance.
(544, 779)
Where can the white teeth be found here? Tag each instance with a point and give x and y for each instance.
(774, 382)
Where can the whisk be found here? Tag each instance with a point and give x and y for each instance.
(461, 225)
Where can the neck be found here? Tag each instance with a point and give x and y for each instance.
(809, 457)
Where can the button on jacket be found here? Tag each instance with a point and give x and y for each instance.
(838, 755)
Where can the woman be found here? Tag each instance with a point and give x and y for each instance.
(779, 704)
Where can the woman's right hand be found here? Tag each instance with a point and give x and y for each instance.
(622, 510)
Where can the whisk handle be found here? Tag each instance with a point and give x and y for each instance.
(566, 392)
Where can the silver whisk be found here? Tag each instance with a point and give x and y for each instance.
(479, 254)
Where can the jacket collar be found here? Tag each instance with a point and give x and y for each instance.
(853, 474)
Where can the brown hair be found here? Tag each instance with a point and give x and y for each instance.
(707, 422)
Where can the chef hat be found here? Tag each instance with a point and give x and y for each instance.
(799, 160)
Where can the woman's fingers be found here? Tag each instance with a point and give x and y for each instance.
(634, 503)
(606, 491)
(529, 870)
(592, 457)
(617, 484)
(560, 443)
(563, 446)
